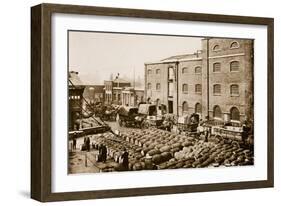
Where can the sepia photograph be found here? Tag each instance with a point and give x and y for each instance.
(153, 102)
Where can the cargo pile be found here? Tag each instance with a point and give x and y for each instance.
(169, 151)
(89, 123)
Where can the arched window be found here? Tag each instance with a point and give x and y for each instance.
(198, 108)
(198, 88)
(157, 71)
(216, 48)
(184, 70)
(217, 67)
(234, 45)
(234, 114)
(149, 86)
(217, 89)
(149, 71)
(198, 70)
(217, 112)
(234, 89)
(158, 86)
(184, 107)
(184, 88)
(234, 66)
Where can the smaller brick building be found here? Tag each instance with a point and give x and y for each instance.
(75, 100)
(113, 90)
(94, 93)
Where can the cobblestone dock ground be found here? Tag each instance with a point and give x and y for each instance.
(85, 162)
(77, 163)
(182, 151)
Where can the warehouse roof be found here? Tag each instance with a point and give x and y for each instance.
(120, 80)
(182, 57)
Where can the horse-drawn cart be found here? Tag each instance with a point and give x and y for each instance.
(188, 125)
(126, 116)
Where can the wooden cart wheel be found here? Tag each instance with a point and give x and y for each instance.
(235, 143)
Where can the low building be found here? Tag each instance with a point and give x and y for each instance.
(113, 90)
(94, 93)
(75, 100)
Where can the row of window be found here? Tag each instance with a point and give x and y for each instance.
(149, 72)
(234, 88)
(233, 45)
(198, 88)
(74, 97)
(197, 70)
(108, 87)
(234, 112)
(233, 66)
(198, 107)
(158, 86)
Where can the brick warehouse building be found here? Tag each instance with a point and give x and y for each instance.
(216, 81)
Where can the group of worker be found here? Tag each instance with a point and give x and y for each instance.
(102, 156)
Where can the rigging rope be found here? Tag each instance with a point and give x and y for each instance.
(88, 104)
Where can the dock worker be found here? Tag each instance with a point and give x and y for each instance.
(207, 133)
(104, 153)
(125, 158)
(74, 143)
(88, 143)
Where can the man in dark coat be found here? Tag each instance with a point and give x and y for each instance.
(88, 144)
(207, 134)
(125, 158)
(74, 143)
(104, 153)
(100, 155)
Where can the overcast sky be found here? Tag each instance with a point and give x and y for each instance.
(96, 55)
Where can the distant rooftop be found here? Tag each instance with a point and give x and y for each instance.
(74, 78)
(120, 80)
(183, 57)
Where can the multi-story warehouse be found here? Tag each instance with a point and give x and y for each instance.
(216, 82)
